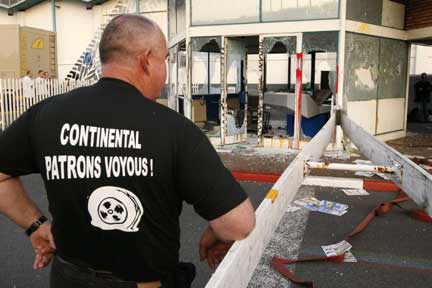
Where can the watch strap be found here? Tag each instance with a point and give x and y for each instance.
(33, 227)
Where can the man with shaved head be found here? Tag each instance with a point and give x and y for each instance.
(117, 167)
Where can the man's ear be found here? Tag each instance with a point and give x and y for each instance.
(144, 61)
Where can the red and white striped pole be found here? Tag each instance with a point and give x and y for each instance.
(298, 101)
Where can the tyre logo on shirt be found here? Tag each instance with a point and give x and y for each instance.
(112, 211)
(115, 208)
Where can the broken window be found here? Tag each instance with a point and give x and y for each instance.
(376, 78)
(206, 78)
(280, 63)
(361, 67)
(206, 65)
(319, 64)
(236, 85)
(288, 10)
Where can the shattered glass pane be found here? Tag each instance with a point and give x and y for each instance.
(206, 65)
(320, 41)
(206, 44)
(289, 42)
(319, 64)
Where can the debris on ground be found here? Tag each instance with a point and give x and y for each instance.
(292, 208)
(355, 192)
(322, 206)
(337, 249)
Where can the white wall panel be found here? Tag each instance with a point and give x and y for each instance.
(391, 114)
(364, 114)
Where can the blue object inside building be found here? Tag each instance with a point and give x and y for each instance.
(310, 126)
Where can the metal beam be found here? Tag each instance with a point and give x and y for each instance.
(260, 88)
(414, 181)
(298, 93)
(350, 167)
(54, 15)
(223, 100)
(239, 264)
(137, 7)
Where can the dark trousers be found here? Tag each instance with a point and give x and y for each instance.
(425, 110)
(67, 275)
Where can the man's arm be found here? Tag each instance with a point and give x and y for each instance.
(17, 206)
(235, 224)
(217, 239)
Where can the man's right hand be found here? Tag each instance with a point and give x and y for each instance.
(43, 245)
(213, 249)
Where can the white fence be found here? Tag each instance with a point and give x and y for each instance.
(18, 95)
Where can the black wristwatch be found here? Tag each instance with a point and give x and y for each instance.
(33, 227)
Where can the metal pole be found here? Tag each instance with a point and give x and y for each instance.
(53, 14)
(223, 100)
(187, 100)
(245, 108)
(2, 101)
(340, 70)
(289, 72)
(313, 68)
(208, 73)
(298, 93)
(260, 88)
(137, 9)
(350, 167)
(176, 106)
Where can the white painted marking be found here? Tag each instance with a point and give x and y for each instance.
(335, 182)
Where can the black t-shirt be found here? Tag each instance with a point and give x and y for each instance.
(116, 167)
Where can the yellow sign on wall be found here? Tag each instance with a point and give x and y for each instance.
(38, 43)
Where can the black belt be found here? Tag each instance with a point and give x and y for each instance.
(184, 275)
(90, 271)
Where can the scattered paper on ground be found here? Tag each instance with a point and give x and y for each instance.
(322, 206)
(337, 249)
(355, 192)
(292, 208)
(349, 257)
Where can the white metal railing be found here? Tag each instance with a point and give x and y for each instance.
(18, 95)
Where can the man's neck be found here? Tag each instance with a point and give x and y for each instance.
(123, 73)
(117, 72)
